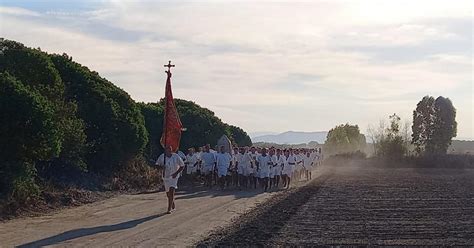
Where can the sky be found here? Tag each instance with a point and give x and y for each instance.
(264, 65)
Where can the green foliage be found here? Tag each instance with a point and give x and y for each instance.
(28, 134)
(344, 139)
(391, 144)
(114, 124)
(35, 70)
(203, 127)
(434, 125)
(59, 118)
(445, 127)
(23, 185)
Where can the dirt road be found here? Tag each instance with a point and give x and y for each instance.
(132, 220)
(365, 206)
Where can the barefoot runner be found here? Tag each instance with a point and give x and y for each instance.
(173, 165)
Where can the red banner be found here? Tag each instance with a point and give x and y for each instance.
(172, 126)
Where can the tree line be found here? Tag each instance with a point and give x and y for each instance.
(433, 127)
(59, 118)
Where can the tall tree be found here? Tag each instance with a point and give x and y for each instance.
(423, 122)
(434, 125)
(445, 126)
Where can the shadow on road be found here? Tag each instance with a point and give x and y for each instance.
(81, 232)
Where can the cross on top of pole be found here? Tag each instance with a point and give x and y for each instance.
(169, 65)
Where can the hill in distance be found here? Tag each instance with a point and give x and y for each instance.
(292, 137)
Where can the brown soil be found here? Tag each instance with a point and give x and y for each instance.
(356, 205)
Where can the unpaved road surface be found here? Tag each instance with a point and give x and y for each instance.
(364, 206)
(132, 220)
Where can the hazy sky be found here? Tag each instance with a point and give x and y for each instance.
(268, 66)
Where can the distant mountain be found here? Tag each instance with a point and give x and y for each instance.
(292, 137)
(257, 134)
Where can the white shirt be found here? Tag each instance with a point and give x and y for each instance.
(307, 162)
(244, 161)
(263, 162)
(173, 164)
(223, 160)
(254, 157)
(280, 160)
(208, 159)
(274, 161)
(191, 160)
(292, 159)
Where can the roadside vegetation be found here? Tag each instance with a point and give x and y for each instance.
(67, 130)
(424, 143)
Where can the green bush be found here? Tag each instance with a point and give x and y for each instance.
(28, 134)
(114, 124)
(35, 70)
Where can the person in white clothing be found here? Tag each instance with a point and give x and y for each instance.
(288, 168)
(279, 163)
(298, 172)
(172, 166)
(199, 166)
(223, 162)
(264, 162)
(233, 169)
(253, 176)
(192, 162)
(208, 161)
(274, 163)
(244, 164)
(308, 165)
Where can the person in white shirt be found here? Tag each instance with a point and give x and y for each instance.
(208, 165)
(308, 165)
(233, 168)
(244, 164)
(172, 166)
(274, 163)
(264, 162)
(253, 172)
(223, 162)
(199, 166)
(279, 163)
(288, 168)
(192, 162)
(298, 172)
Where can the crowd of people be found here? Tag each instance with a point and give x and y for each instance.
(240, 168)
(250, 168)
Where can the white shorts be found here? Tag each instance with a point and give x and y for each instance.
(191, 169)
(241, 170)
(170, 182)
(288, 170)
(264, 173)
(206, 170)
(276, 171)
(271, 174)
(221, 172)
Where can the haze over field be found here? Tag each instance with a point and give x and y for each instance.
(261, 67)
